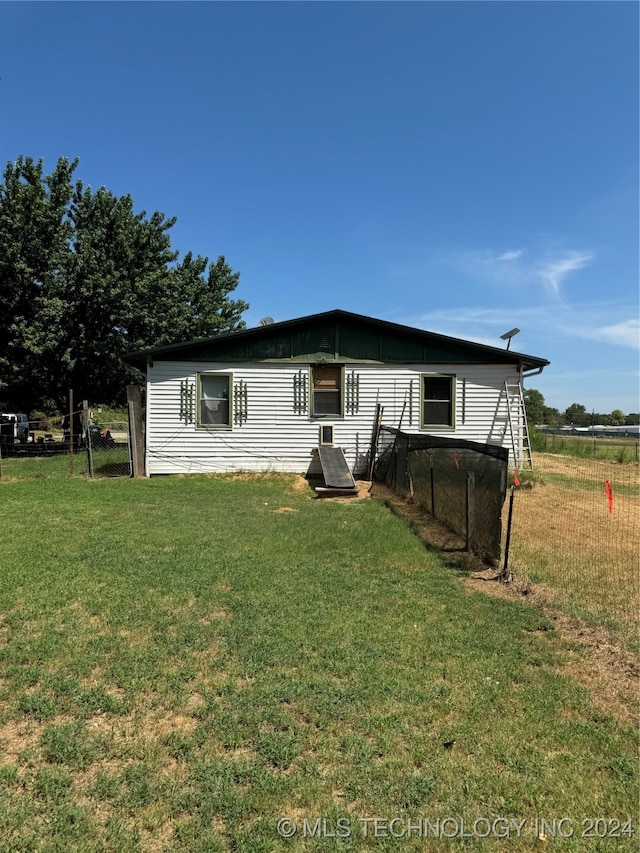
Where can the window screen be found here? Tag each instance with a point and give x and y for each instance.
(438, 403)
(214, 399)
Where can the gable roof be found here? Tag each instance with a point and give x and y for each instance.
(336, 336)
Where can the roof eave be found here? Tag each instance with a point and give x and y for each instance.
(140, 358)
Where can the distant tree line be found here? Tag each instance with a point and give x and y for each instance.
(576, 414)
(85, 280)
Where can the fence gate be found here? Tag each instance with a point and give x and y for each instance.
(108, 450)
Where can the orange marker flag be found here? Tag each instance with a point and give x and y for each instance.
(516, 481)
(609, 493)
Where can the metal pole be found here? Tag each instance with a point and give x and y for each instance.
(505, 570)
(433, 488)
(87, 432)
(136, 439)
(471, 477)
(71, 432)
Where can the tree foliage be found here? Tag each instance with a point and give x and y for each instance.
(84, 280)
(574, 415)
(534, 405)
(577, 415)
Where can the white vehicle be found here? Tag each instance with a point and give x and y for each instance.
(20, 425)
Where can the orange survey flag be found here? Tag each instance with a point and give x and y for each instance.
(609, 493)
(516, 481)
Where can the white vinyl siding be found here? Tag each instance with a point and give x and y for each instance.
(279, 433)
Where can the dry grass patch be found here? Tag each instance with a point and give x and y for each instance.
(18, 736)
(608, 669)
(564, 536)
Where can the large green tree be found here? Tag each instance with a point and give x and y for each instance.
(84, 280)
(534, 405)
(577, 415)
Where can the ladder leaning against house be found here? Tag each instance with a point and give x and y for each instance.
(517, 419)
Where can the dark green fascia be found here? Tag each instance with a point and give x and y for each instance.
(338, 336)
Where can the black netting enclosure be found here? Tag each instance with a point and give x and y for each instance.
(462, 484)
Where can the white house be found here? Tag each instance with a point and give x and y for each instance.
(258, 399)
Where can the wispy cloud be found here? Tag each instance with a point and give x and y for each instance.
(554, 271)
(522, 267)
(511, 256)
(625, 334)
(592, 321)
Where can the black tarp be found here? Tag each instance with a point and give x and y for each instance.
(463, 484)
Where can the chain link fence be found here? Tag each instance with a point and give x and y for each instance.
(108, 450)
(53, 449)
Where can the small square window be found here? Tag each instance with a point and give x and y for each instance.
(214, 393)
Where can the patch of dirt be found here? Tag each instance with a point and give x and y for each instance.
(195, 703)
(363, 491)
(301, 484)
(168, 722)
(232, 476)
(285, 509)
(609, 672)
(14, 737)
(214, 616)
(17, 736)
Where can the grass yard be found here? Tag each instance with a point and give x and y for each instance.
(621, 450)
(186, 661)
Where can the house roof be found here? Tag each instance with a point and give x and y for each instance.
(336, 336)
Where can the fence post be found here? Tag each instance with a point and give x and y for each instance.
(71, 436)
(373, 450)
(506, 575)
(134, 406)
(470, 507)
(87, 432)
(433, 489)
(409, 475)
(395, 463)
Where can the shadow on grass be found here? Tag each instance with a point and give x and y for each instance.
(438, 539)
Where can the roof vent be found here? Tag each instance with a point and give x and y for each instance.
(266, 321)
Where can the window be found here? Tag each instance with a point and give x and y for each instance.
(327, 391)
(214, 393)
(438, 400)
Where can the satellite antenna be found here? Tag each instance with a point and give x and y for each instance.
(508, 335)
(266, 321)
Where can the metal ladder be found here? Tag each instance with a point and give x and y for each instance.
(517, 417)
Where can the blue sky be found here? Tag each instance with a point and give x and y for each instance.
(460, 167)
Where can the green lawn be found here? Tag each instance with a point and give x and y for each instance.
(184, 661)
